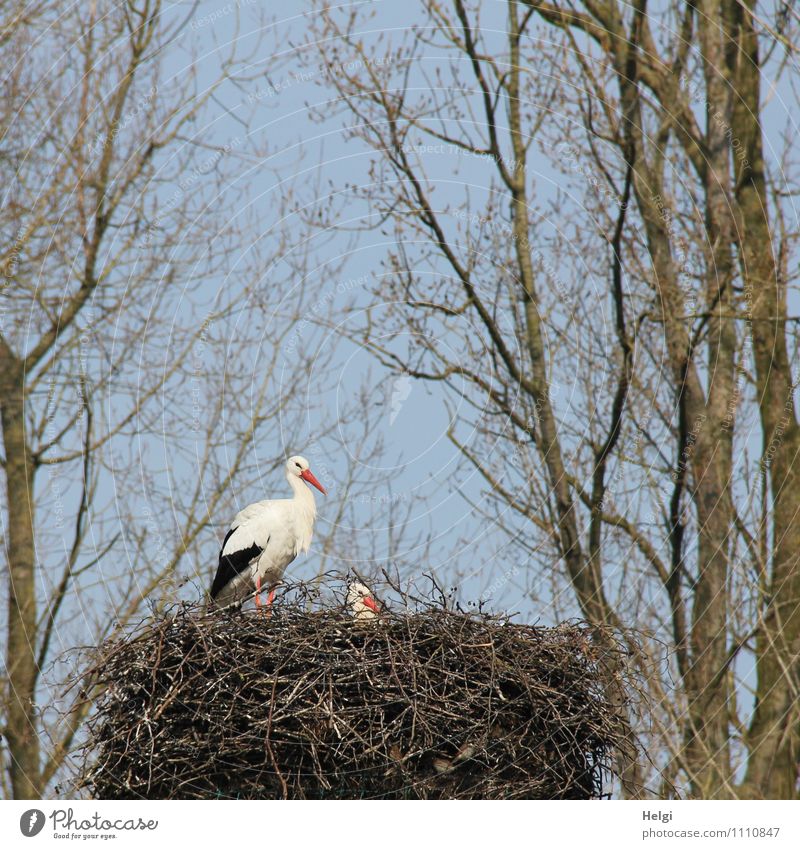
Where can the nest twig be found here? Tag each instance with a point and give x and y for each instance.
(310, 704)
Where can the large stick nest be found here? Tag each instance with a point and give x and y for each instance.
(428, 704)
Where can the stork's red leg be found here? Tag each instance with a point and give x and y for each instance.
(258, 592)
(271, 597)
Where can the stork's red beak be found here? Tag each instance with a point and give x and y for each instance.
(309, 478)
(371, 604)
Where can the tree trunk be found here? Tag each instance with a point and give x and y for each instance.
(707, 744)
(585, 573)
(704, 450)
(774, 734)
(23, 673)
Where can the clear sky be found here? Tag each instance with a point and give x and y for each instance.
(309, 157)
(281, 123)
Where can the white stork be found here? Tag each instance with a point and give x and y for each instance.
(360, 600)
(264, 538)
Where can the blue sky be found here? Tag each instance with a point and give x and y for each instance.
(309, 158)
(305, 156)
(280, 129)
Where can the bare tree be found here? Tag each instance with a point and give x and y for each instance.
(151, 378)
(642, 479)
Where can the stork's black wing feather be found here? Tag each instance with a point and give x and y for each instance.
(232, 564)
(227, 537)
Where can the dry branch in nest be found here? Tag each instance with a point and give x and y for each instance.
(427, 704)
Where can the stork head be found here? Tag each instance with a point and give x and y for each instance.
(360, 599)
(298, 467)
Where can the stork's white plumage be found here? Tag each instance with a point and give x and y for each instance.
(265, 537)
(360, 600)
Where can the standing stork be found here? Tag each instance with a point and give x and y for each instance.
(264, 538)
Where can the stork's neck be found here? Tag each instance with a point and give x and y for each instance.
(303, 496)
(305, 511)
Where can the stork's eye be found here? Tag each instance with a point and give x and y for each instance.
(298, 466)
